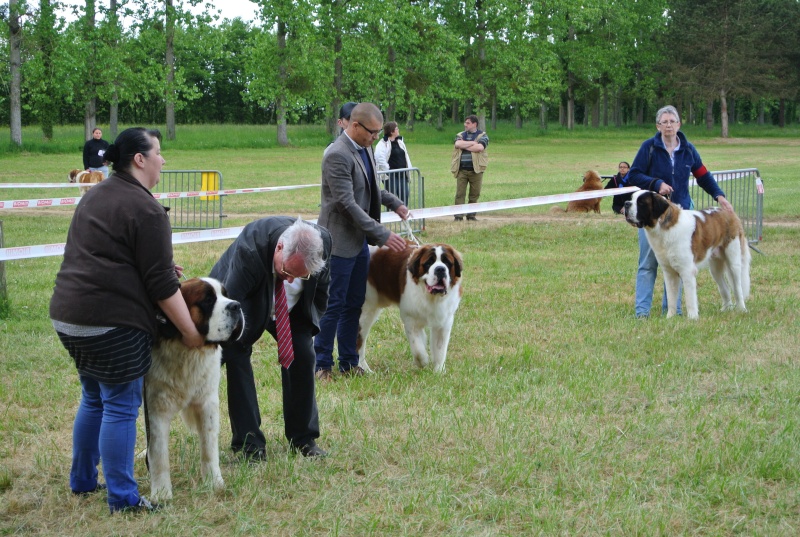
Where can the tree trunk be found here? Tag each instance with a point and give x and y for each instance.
(596, 114)
(454, 111)
(280, 104)
(761, 112)
(90, 109)
(543, 116)
(710, 114)
(412, 111)
(782, 113)
(440, 120)
(494, 112)
(15, 58)
(333, 129)
(570, 101)
(517, 118)
(170, 58)
(723, 112)
(391, 91)
(113, 111)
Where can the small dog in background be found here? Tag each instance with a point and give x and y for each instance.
(591, 181)
(83, 177)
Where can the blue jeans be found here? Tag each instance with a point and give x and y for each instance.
(105, 429)
(646, 279)
(347, 290)
(103, 169)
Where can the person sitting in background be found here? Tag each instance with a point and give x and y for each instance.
(391, 154)
(616, 181)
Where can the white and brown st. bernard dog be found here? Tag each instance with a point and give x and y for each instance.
(84, 177)
(684, 241)
(187, 381)
(425, 282)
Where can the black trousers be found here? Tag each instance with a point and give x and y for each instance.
(300, 414)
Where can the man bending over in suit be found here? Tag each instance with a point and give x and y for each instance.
(273, 258)
(351, 210)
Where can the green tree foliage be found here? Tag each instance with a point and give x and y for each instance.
(594, 61)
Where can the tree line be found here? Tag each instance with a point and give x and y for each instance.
(596, 62)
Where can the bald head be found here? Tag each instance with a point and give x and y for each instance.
(366, 113)
(366, 124)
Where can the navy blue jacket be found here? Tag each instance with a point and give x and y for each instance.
(653, 167)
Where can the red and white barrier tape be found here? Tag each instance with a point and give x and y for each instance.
(44, 250)
(41, 185)
(55, 202)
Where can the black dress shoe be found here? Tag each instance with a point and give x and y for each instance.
(100, 487)
(252, 454)
(472, 218)
(458, 218)
(311, 450)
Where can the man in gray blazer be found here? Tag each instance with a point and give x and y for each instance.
(350, 210)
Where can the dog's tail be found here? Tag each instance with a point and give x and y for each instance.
(556, 209)
(745, 267)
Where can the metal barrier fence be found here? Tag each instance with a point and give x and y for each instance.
(201, 212)
(408, 184)
(745, 190)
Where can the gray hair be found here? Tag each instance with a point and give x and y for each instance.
(305, 240)
(669, 109)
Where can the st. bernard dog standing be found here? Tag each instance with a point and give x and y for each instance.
(684, 241)
(84, 177)
(187, 381)
(425, 282)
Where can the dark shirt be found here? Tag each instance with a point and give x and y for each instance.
(117, 260)
(397, 157)
(94, 153)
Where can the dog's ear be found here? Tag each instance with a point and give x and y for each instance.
(457, 263)
(414, 261)
(660, 205)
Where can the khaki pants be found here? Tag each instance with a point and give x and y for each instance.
(474, 180)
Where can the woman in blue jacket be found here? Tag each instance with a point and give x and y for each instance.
(663, 165)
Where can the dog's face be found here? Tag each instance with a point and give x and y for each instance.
(72, 175)
(215, 315)
(645, 208)
(438, 266)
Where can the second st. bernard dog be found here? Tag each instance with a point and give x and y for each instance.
(187, 381)
(83, 178)
(425, 283)
(685, 241)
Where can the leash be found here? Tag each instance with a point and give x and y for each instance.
(411, 233)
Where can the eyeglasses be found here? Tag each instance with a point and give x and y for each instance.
(374, 133)
(304, 278)
(669, 122)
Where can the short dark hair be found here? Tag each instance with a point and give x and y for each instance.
(472, 118)
(128, 144)
(346, 109)
(389, 128)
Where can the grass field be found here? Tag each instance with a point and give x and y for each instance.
(558, 414)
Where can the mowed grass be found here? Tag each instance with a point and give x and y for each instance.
(558, 413)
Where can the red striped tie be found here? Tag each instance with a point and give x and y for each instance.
(285, 349)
